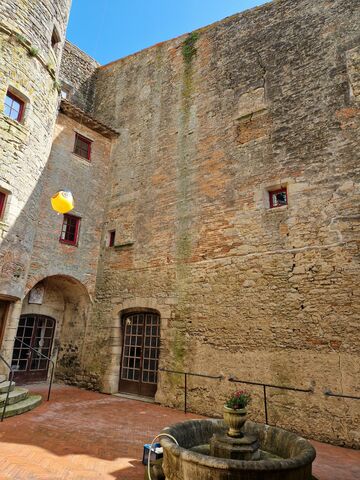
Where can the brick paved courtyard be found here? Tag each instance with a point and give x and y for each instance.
(85, 435)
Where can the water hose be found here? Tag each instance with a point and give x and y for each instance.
(151, 446)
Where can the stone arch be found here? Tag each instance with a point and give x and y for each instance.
(67, 301)
(111, 379)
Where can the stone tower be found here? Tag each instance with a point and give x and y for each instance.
(32, 35)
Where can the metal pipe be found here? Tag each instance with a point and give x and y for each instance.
(329, 393)
(265, 406)
(11, 375)
(217, 377)
(185, 400)
(308, 390)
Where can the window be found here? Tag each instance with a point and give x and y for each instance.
(55, 38)
(70, 230)
(2, 204)
(14, 107)
(111, 238)
(82, 146)
(278, 198)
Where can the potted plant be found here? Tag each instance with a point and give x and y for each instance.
(235, 412)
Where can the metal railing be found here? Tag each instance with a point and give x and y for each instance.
(329, 393)
(270, 385)
(11, 375)
(43, 356)
(186, 374)
(264, 386)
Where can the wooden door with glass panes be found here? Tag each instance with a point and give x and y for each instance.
(140, 353)
(36, 331)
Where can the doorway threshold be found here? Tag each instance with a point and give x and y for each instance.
(133, 396)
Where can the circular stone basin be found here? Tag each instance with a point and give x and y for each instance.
(182, 463)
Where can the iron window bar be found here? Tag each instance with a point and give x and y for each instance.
(47, 358)
(11, 375)
(329, 393)
(186, 374)
(270, 385)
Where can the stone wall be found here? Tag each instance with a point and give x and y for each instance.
(28, 68)
(71, 269)
(77, 73)
(209, 123)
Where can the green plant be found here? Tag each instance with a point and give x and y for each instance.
(57, 85)
(188, 46)
(20, 38)
(33, 51)
(239, 399)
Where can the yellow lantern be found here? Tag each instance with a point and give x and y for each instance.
(62, 202)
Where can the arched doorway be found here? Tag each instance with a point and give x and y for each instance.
(53, 320)
(37, 332)
(140, 353)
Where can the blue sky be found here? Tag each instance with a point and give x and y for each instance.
(111, 29)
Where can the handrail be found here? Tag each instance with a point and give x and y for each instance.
(44, 356)
(11, 375)
(218, 377)
(329, 393)
(264, 385)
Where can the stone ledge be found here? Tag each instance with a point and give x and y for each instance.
(80, 116)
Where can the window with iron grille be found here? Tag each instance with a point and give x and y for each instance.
(2, 204)
(278, 198)
(82, 146)
(14, 107)
(70, 230)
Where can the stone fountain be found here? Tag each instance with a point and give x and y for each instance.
(206, 451)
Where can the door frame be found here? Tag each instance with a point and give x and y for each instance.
(123, 315)
(4, 318)
(25, 376)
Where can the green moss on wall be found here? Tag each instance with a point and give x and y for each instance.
(189, 47)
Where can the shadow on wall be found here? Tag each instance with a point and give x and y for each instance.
(66, 301)
(30, 252)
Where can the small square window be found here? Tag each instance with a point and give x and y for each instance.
(14, 107)
(278, 198)
(82, 146)
(70, 230)
(2, 204)
(111, 238)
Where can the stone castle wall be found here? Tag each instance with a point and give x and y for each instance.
(71, 269)
(77, 73)
(28, 67)
(209, 123)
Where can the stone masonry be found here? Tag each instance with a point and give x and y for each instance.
(189, 137)
(209, 123)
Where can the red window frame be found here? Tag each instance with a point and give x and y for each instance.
(2, 204)
(112, 238)
(14, 98)
(79, 150)
(276, 192)
(70, 230)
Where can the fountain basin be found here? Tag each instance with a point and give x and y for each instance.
(181, 463)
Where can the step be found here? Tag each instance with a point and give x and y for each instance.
(16, 395)
(29, 403)
(5, 385)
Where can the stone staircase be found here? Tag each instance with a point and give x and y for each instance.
(19, 401)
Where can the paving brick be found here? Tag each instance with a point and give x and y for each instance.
(82, 435)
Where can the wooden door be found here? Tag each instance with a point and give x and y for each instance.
(4, 308)
(140, 353)
(38, 332)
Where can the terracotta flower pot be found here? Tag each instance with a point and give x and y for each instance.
(235, 420)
